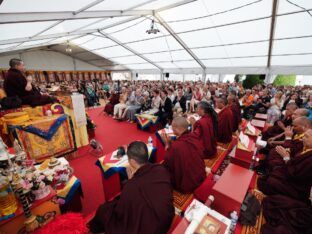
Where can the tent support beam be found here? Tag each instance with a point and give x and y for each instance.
(179, 40)
(272, 31)
(130, 49)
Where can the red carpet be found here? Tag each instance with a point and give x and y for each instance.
(110, 134)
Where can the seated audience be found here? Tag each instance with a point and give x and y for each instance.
(179, 103)
(165, 109)
(155, 105)
(225, 121)
(133, 106)
(145, 203)
(113, 100)
(184, 158)
(196, 98)
(274, 112)
(206, 128)
(121, 106)
(16, 84)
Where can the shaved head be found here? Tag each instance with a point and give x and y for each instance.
(301, 112)
(180, 122)
(301, 124)
(221, 102)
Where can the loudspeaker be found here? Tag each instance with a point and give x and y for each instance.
(136, 75)
(262, 77)
(167, 74)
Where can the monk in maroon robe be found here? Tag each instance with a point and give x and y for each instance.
(280, 125)
(145, 204)
(184, 158)
(293, 142)
(113, 100)
(236, 112)
(225, 121)
(206, 128)
(17, 85)
(294, 178)
(285, 215)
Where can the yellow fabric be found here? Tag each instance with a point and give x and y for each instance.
(34, 112)
(38, 148)
(64, 191)
(81, 133)
(298, 136)
(16, 118)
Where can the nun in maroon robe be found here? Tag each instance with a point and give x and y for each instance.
(206, 128)
(236, 112)
(294, 178)
(184, 158)
(225, 121)
(145, 204)
(113, 100)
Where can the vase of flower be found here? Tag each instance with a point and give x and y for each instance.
(41, 192)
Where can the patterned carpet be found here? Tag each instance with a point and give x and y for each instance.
(260, 220)
(181, 201)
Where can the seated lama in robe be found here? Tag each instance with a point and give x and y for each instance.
(294, 178)
(184, 158)
(293, 141)
(145, 204)
(225, 121)
(206, 128)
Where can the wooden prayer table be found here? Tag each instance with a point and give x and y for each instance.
(231, 188)
(258, 123)
(146, 121)
(114, 170)
(261, 116)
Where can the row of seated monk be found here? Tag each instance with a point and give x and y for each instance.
(285, 173)
(145, 204)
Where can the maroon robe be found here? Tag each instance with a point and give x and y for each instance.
(203, 129)
(285, 215)
(225, 125)
(293, 179)
(237, 119)
(14, 85)
(184, 161)
(275, 129)
(144, 206)
(113, 100)
(275, 160)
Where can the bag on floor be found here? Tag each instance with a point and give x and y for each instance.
(250, 210)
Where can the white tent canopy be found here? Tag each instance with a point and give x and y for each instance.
(196, 36)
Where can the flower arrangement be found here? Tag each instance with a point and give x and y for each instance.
(36, 181)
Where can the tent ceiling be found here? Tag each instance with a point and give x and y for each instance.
(195, 35)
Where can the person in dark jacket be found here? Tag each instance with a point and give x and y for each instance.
(165, 110)
(180, 101)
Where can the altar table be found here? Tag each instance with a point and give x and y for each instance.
(113, 170)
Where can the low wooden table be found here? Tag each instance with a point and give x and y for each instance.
(261, 116)
(113, 171)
